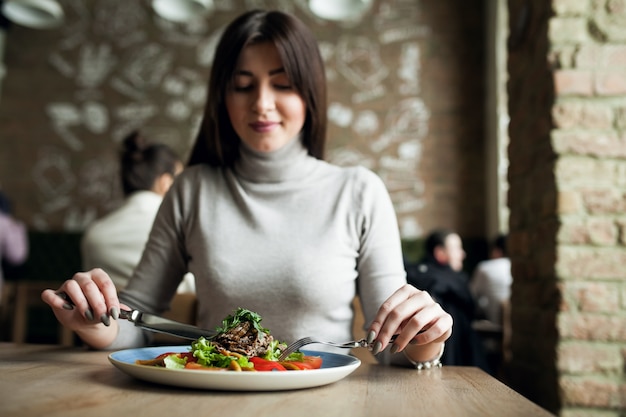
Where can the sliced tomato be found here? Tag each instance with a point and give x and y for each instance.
(189, 356)
(166, 354)
(315, 362)
(261, 364)
(307, 362)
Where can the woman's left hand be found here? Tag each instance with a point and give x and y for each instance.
(416, 318)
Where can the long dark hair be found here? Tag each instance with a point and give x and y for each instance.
(217, 144)
(143, 162)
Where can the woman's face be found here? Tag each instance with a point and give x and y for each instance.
(265, 110)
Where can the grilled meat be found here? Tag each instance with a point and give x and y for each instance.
(244, 339)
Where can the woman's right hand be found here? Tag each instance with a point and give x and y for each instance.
(85, 304)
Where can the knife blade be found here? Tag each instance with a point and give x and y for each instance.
(157, 324)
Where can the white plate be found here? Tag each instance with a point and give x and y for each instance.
(334, 367)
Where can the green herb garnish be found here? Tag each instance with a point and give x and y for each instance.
(242, 315)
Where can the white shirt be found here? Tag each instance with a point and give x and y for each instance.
(491, 285)
(116, 241)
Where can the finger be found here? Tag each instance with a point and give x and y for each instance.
(429, 324)
(63, 305)
(94, 284)
(389, 318)
(71, 292)
(54, 300)
(108, 291)
(409, 318)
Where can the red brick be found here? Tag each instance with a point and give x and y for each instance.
(592, 297)
(588, 326)
(604, 200)
(569, 202)
(585, 357)
(601, 56)
(610, 83)
(573, 82)
(591, 263)
(589, 391)
(573, 232)
(580, 142)
(576, 114)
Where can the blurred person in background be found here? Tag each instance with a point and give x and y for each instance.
(491, 282)
(491, 288)
(441, 274)
(13, 238)
(116, 241)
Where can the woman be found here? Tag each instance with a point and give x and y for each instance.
(116, 241)
(263, 223)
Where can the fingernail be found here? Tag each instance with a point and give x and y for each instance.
(105, 320)
(64, 296)
(371, 336)
(413, 342)
(115, 313)
(377, 348)
(89, 314)
(394, 349)
(68, 306)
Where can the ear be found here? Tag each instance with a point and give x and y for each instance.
(163, 183)
(441, 255)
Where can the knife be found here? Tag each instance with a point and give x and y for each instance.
(157, 324)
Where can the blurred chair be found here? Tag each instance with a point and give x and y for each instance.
(53, 258)
(507, 332)
(27, 294)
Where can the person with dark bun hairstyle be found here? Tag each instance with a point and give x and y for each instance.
(264, 223)
(116, 241)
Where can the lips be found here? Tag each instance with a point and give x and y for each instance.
(262, 127)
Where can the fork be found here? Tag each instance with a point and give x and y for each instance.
(295, 346)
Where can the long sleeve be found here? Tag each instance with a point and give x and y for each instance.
(283, 234)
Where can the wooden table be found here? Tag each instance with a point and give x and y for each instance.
(44, 380)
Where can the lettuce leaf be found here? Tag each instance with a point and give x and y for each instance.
(207, 354)
(174, 362)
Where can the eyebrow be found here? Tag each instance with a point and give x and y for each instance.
(272, 72)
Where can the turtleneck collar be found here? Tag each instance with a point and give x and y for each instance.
(291, 162)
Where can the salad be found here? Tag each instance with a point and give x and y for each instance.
(241, 344)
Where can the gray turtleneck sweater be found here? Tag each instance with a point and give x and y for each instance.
(283, 234)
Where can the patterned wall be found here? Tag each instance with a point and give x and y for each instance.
(405, 99)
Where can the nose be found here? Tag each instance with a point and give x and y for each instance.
(263, 100)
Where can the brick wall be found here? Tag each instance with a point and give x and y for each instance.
(567, 198)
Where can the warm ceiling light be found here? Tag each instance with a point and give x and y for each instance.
(181, 10)
(340, 10)
(36, 14)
